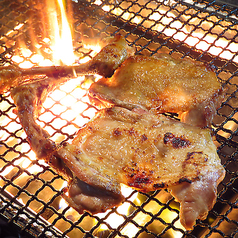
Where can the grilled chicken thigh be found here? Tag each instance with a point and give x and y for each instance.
(146, 152)
(162, 84)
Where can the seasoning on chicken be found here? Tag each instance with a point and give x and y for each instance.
(109, 58)
(142, 150)
(162, 84)
(146, 152)
(104, 63)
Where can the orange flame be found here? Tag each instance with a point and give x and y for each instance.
(61, 37)
(58, 38)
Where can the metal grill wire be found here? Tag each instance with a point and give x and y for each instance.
(30, 190)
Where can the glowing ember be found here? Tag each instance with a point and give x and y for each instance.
(114, 219)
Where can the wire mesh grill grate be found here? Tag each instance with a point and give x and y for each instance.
(30, 190)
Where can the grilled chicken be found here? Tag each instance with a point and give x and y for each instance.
(142, 150)
(134, 144)
(110, 57)
(146, 152)
(162, 84)
(104, 63)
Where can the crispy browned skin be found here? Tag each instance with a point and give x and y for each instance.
(146, 152)
(162, 84)
(28, 99)
(110, 57)
(104, 63)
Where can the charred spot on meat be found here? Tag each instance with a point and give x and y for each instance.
(177, 142)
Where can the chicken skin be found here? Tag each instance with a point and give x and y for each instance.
(162, 84)
(29, 98)
(146, 152)
(198, 197)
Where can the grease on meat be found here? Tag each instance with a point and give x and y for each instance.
(163, 84)
(146, 152)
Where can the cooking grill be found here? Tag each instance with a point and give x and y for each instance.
(30, 200)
